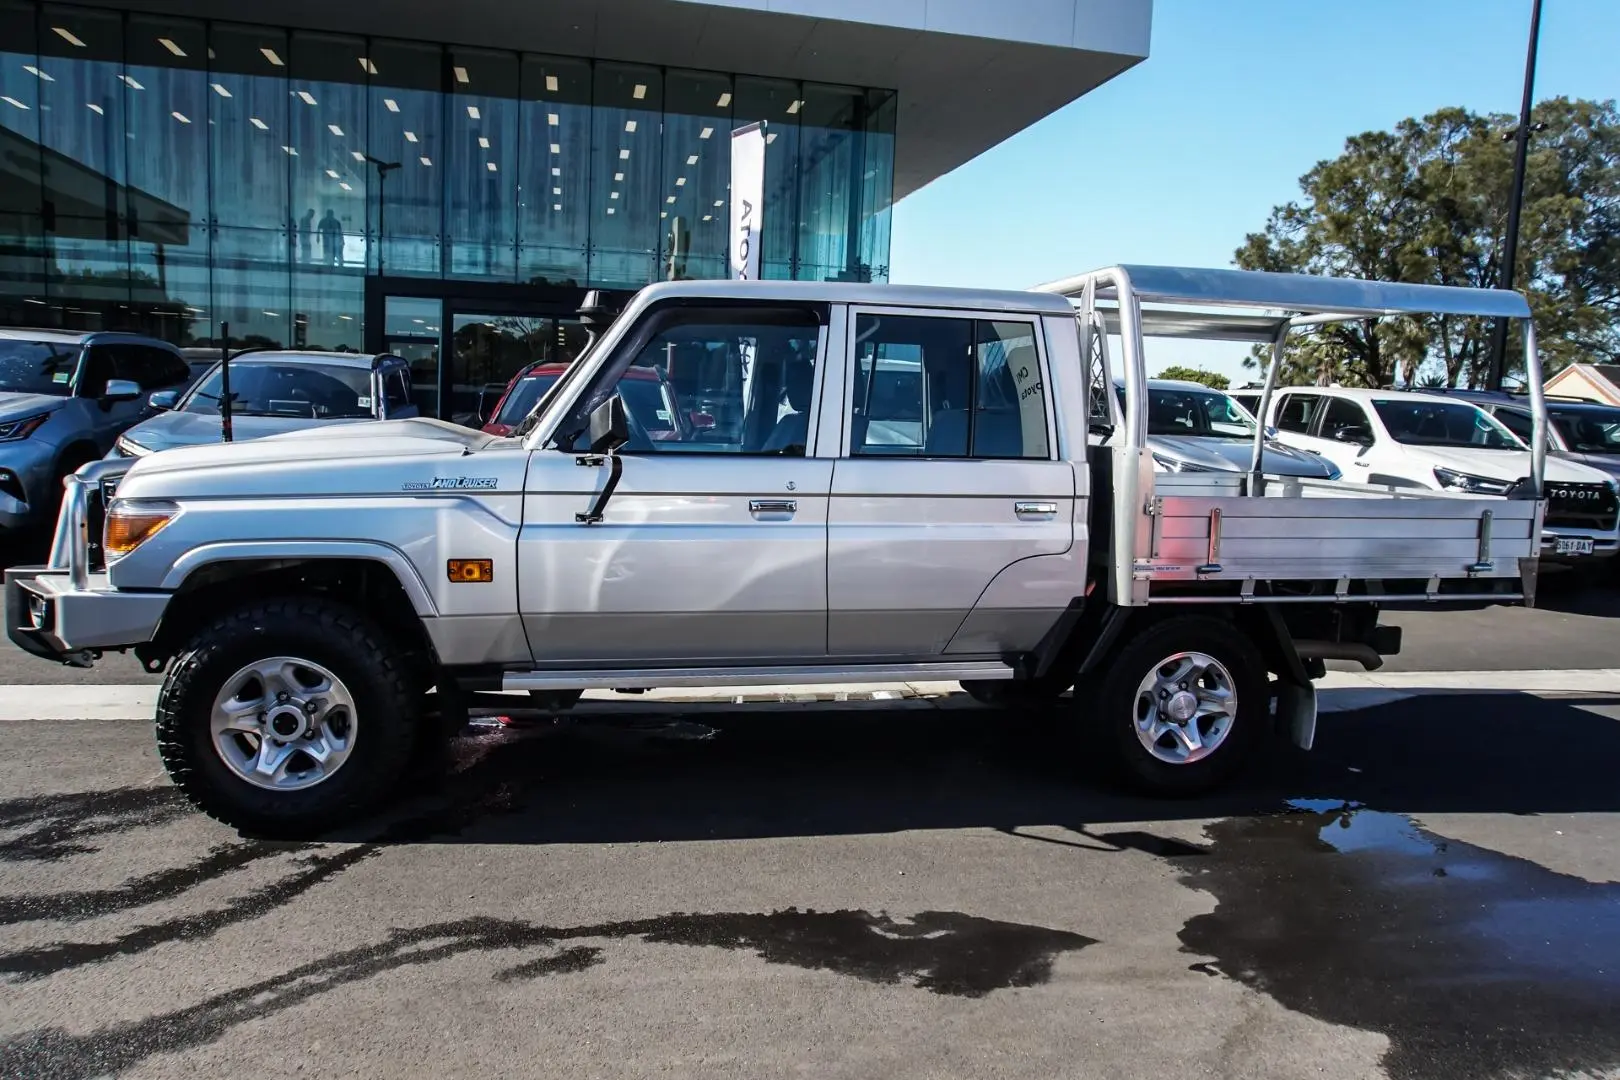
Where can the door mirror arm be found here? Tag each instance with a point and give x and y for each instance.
(609, 429)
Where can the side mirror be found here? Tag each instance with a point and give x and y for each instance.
(164, 400)
(1272, 431)
(121, 390)
(609, 427)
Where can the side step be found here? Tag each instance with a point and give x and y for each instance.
(774, 675)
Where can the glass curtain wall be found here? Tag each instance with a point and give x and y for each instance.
(173, 176)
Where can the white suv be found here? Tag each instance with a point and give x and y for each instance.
(1407, 440)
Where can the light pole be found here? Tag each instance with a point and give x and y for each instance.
(1521, 150)
(383, 169)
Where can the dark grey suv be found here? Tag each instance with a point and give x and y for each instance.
(65, 397)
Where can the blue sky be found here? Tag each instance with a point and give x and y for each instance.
(1177, 159)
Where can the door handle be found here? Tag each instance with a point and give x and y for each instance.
(773, 506)
(1035, 509)
(1363, 464)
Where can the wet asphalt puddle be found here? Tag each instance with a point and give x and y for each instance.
(1474, 964)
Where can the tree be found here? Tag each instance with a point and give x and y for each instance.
(1428, 203)
(1212, 379)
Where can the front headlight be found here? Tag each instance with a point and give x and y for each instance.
(13, 430)
(1170, 464)
(129, 525)
(129, 447)
(1474, 485)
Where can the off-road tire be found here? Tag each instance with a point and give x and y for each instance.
(376, 671)
(1115, 704)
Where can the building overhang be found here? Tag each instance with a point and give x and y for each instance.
(970, 73)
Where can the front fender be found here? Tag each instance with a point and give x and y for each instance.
(361, 550)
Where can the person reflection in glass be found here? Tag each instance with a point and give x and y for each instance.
(331, 238)
(306, 237)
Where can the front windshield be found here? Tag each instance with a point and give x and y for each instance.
(310, 390)
(523, 398)
(1590, 431)
(37, 367)
(1443, 423)
(1196, 413)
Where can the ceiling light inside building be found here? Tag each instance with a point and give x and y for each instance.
(131, 83)
(618, 178)
(14, 102)
(708, 217)
(639, 92)
(556, 191)
(333, 173)
(613, 194)
(556, 206)
(725, 99)
(670, 200)
(270, 55)
(93, 107)
(427, 161)
(490, 165)
(794, 107)
(705, 133)
(610, 209)
(556, 149)
(390, 104)
(32, 70)
(308, 98)
(483, 142)
(68, 36)
(624, 155)
(410, 136)
(461, 75)
(556, 171)
(370, 68)
(221, 91)
(553, 119)
(357, 155)
(180, 116)
(291, 151)
(345, 187)
(770, 138)
(472, 111)
(692, 160)
(630, 126)
(551, 84)
(335, 130)
(171, 46)
(680, 181)
(260, 124)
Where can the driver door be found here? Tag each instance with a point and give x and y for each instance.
(713, 546)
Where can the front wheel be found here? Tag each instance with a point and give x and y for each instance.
(287, 718)
(1185, 704)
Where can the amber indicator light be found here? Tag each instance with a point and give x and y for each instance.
(471, 571)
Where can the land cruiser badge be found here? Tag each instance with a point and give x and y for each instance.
(452, 483)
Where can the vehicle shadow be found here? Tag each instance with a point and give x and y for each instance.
(625, 775)
(1574, 594)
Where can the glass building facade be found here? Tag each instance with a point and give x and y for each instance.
(312, 190)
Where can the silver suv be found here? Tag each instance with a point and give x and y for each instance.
(65, 397)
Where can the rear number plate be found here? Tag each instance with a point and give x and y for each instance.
(1573, 545)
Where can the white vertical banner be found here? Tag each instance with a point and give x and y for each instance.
(746, 238)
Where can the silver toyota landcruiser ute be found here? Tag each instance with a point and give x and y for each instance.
(924, 484)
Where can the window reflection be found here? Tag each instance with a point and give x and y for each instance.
(406, 126)
(778, 103)
(626, 197)
(482, 161)
(554, 208)
(170, 175)
(697, 175)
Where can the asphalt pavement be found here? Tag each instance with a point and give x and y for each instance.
(1429, 895)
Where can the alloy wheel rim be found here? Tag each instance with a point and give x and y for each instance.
(1185, 707)
(283, 723)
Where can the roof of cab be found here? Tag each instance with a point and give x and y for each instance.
(872, 295)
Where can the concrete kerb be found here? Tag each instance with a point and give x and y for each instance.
(1338, 692)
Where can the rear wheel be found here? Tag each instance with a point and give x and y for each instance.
(1184, 704)
(288, 717)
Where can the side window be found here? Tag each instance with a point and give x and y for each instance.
(1518, 423)
(1296, 411)
(168, 370)
(99, 368)
(1346, 421)
(755, 379)
(939, 387)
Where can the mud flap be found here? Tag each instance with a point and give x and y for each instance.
(1529, 569)
(1296, 704)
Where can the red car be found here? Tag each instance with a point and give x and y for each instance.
(647, 395)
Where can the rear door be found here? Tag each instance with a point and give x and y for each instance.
(948, 475)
